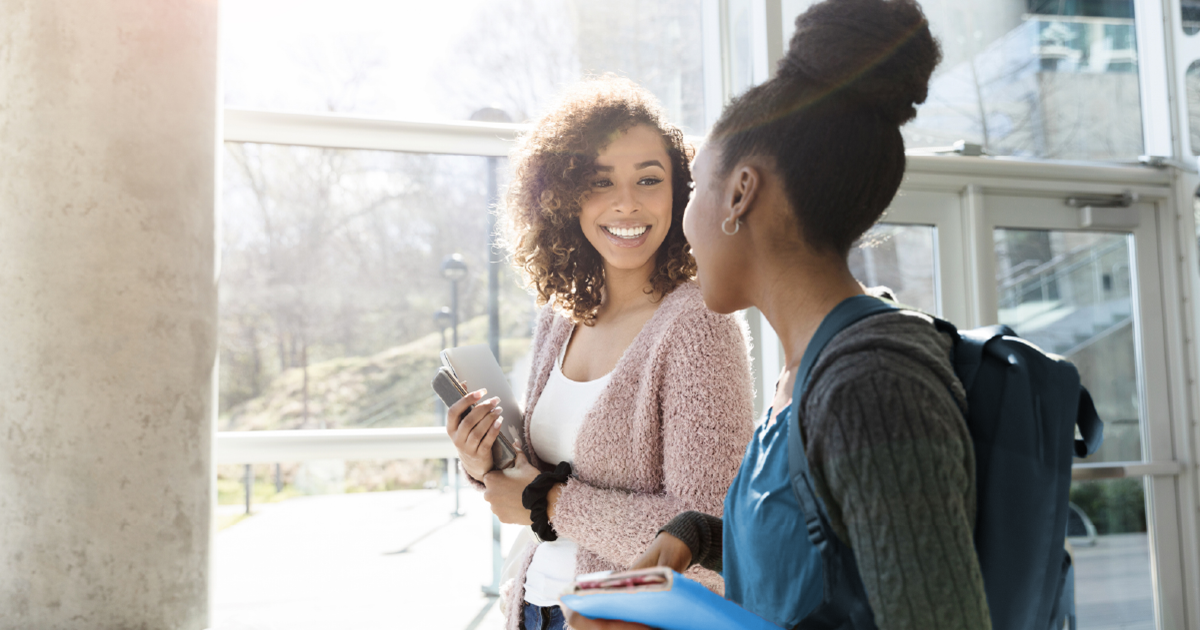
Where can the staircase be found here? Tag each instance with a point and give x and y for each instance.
(1071, 301)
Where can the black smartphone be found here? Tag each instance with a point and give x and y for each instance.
(450, 390)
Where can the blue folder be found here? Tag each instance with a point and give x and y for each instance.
(679, 604)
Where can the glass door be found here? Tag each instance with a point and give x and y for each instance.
(1087, 284)
(1084, 283)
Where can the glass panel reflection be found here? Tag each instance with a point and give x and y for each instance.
(1189, 14)
(902, 258)
(445, 60)
(1071, 293)
(1036, 78)
(1113, 584)
(1191, 85)
(330, 279)
(739, 18)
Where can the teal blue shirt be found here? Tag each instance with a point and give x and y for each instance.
(770, 566)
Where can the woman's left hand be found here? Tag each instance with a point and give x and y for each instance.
(504, 488)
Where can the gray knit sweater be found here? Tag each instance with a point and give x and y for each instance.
(892, 460)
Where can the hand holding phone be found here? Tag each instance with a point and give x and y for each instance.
(473, 424)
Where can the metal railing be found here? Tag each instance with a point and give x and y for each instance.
(1087, 278)
(1042, 279)
(268, 447)
(272, 447)
(259, 447)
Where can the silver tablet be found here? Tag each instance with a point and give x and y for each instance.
(475, 367)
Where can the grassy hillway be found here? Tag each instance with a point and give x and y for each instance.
(386, 389)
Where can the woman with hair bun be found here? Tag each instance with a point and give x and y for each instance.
(793, 173)
(640, 399)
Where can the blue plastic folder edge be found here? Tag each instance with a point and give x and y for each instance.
(687, 606)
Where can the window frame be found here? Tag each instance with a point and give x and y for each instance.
(963, 250)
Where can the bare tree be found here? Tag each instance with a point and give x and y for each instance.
(1035, 91)
(514, 56)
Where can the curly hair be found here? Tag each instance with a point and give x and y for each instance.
(553, 165)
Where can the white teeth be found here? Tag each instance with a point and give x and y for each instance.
(628, 232)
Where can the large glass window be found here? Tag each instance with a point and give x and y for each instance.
(1034, 78)
(1071, 293)
(331, 267)
(1114, 587)
(1192, 86)
(331, 278)
(445, 60)
(902, 258)
(331, 286)
(1190, 16)
(740, 46)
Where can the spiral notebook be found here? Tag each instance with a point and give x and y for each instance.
(660, 598)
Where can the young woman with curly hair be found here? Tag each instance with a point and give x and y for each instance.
(793, 173)
(640, 399)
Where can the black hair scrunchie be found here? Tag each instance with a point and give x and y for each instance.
(536, 499)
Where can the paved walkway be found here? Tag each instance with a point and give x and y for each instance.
(358, 561)
(391, 560)
(1113, 587)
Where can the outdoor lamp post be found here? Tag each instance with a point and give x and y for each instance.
(454, 269)
(493, 115)
(443, 320)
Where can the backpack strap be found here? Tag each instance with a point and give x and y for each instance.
(969, 356)
(844, 604)
(1090, 425)
(845, 314)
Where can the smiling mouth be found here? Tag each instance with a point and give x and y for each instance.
(628, 233)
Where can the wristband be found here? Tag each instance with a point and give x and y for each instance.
(536, 499)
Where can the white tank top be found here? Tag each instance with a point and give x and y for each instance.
(555, 424)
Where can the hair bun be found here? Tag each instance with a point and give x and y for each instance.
(879, 53)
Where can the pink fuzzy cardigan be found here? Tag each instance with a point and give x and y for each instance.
(666, 435)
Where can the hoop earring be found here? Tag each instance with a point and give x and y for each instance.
(737, 225)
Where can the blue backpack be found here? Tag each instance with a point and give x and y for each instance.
(1022, 409)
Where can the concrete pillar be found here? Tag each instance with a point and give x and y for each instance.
(108, 123)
